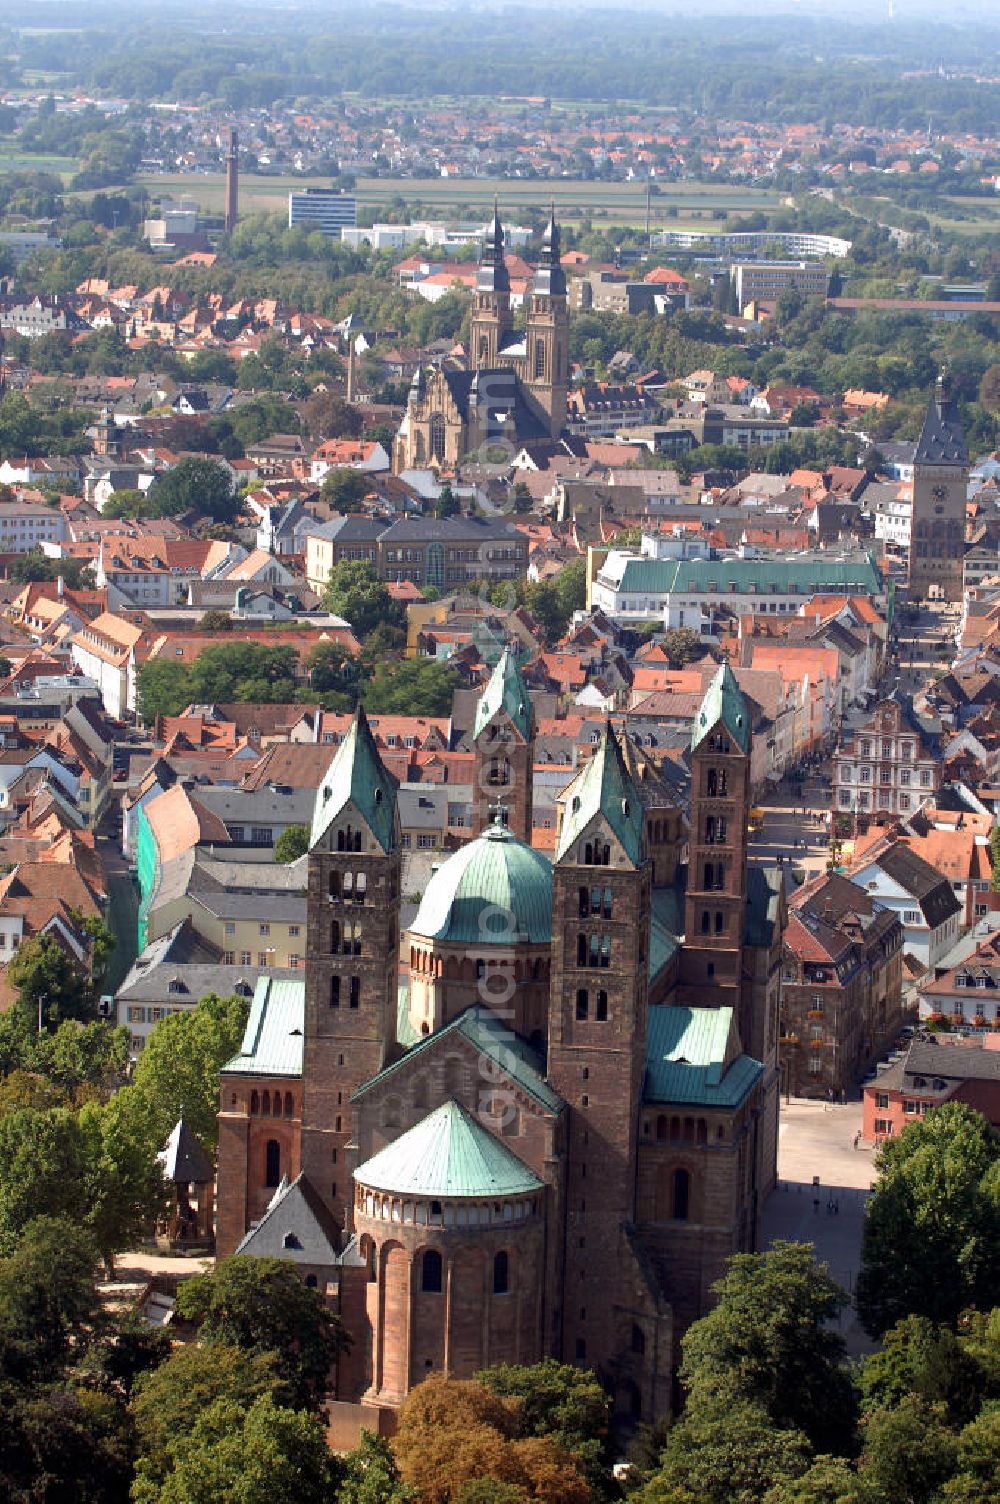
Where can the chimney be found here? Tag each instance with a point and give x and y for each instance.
(60, 586)
(232, 181)
(350, 371)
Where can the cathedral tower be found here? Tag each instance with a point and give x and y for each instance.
(504, 741)
(940, 488)
(715, 906)
(491, 302)
(546, 372)
(597, 1035)
(352, 954)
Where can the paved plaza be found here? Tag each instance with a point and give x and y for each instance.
(817, 1139)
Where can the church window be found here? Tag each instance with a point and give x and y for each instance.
(267, 1104)
(431, 1272)
(607, 903)
(437, 437)
(705, 921)
(501, 1274)
(581, 1350)
(584, 902)
(484, 349)
(582, 1003)
(638, 1340)
(539, 359)
(710, 969)
(682, 1195)
(661, 1129)
(355, 992)
(581, 950)
(334, 886)
(272, 1166)
(499, 773)
(351, 940)
(334, 992)
(709, 874)
(719, 922)
(372, 1263)
(335, 937)
(601, 1011)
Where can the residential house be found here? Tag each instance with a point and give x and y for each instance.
(927, 907)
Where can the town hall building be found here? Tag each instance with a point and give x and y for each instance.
(551, 1137)
(514, 391)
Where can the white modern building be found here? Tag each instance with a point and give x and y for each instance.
(324, 209)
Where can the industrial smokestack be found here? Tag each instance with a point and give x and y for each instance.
(232, 181)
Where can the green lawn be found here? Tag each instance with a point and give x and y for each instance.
(694, 204)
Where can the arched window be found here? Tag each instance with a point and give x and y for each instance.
(581, 950)
(712, 783)
(709, 883)
(334, 992)
(607, 903)
(539, 359)
(276, 1105)
(334, 937)
(254, 1103)
(601, 1012)
(335, 885)
(682, 1195)
(437, 437)
(266, 1106)
(584, 902)
(582, 1003)
(661, 1128)
(431, 1272)
(719, 922)
(289, 1105)
(272, 1173)
(501, 1274)
(704, 921)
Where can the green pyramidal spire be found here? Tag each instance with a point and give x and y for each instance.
(723, 703)
(505, 691)
(604, 786)
(357, 776)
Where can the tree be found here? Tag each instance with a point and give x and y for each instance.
(371, 1475)
(266, 1454)
(732, 1455)
(41, 1171)
(330, 417)
(523, 500)
(26, 568)
(355, 592)
(262, 1306)
(414, 686)
(332, 671)
(344, 489)
(452, 1433)
(767, 1343)
(682, 646)
(48, 1300)
(291, 844)
(920, 1358)
(975, 1482)
(989, 389)
(123, 1181)
(564, 1403)
(168, 1401)
(216, 621)
(195, 485)
(909, 1452)
(931, 1241)
(177, 1074)
(447, 504)
(63, 1441)
(830, 1480)
(164, 688)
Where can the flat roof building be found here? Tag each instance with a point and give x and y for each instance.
(324, 209)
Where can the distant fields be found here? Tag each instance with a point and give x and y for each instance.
(692, 204)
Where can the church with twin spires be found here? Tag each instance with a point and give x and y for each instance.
(538, 1120)
(514, 390)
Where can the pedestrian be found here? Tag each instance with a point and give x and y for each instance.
(857, 1138)
(815, 1204)
(836, 1208)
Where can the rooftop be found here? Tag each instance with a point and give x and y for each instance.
(447, 1154)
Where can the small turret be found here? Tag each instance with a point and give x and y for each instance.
(550, 279)
(493, 276)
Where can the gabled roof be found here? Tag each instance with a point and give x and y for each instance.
(357, 776)
(296, 1226)
(691, 1056)
(447, 1154)
(723, 703)
(604, 786)
(505, 691)
(489, 1034)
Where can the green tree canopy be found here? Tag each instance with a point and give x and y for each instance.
(177, 1074)
(263, 1306)
(767, 1342)
(344, 489)
(563, 1402)
(355, 592)
(195, 485)
(50, 983)
(410, 686)
(732, 1455)
(291, 844)
(931, 1242)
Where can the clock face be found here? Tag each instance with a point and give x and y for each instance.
(939, 493)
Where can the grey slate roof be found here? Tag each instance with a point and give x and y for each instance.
(183, 1159)
(922, 881)
(941, 440)
(296, 1227)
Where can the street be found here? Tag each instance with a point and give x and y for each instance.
(817, 1139)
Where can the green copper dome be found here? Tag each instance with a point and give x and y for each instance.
(495, 890)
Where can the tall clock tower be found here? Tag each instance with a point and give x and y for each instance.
(940, 488)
